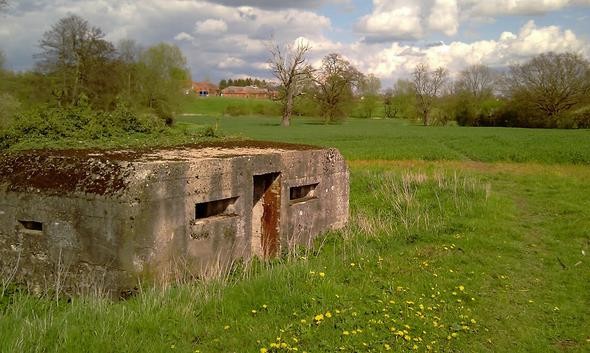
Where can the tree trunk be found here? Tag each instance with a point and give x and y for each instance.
(288, 110)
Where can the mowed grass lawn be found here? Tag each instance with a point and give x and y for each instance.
(460, 240)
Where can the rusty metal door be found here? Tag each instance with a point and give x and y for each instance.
(266, 212)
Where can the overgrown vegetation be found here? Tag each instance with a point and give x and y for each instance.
(84, 87)
(77, 122)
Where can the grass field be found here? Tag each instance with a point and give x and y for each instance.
(460, 240)
(390, 139)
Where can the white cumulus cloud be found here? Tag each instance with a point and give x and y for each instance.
(414, 19)
(398, 60)
(211, 26)
(444, 17)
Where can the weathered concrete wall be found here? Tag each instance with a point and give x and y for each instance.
(165, 214)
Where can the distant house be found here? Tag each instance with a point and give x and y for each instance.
(204, 89)
(246, 92)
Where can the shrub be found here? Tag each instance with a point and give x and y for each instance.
(581, 117)
(79, 122)
(8, 108)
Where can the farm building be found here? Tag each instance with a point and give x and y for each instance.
(204, 89)
(79, 219)
(247, 92)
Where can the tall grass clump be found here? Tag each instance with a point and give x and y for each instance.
(408, 203)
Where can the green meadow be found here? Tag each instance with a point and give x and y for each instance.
(459, 240)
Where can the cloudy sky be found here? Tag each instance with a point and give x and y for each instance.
(229, 38)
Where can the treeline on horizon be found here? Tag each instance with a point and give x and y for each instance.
(551, 90)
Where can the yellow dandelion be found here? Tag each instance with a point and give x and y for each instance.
(461, 288)
(318, 318)
(263, 350)
(328, 314)
(322, 274)
(226, 327)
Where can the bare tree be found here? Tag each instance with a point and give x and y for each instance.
(288, 64)
(335, 82)
(552, 82)
(477, 80)
(427, 87)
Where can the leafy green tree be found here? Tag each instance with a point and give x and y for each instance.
(162, 76)
(370, 86)
(335, 82)
(473, 100)
(550, 83)
(399, 102)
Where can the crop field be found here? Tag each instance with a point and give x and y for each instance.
(459, 240)
(392, 139)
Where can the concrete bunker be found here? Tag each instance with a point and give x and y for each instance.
(81, 219)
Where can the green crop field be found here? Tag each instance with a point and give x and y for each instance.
(459, 240)
(389, 139)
